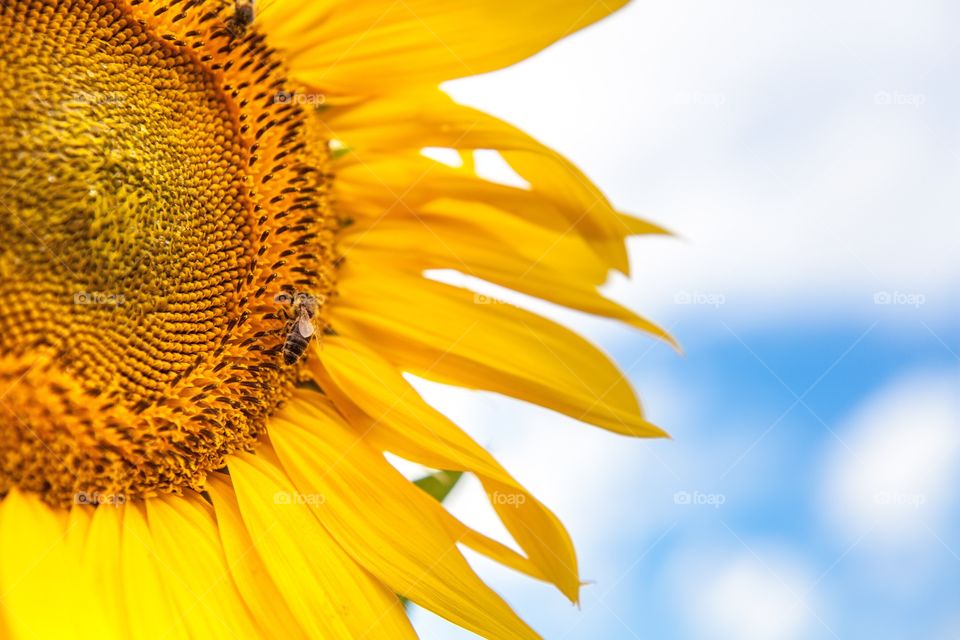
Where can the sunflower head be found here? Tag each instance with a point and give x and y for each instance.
(160, 192)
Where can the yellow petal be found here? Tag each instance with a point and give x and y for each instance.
(440, 332)
(400, 421)
(486, 243)
(362, 423)
(151, 607)
(372, 186)
(78, 521)
(433, 120)
(399, 537)
(38, 570)
(101, 560)
(330, 595)
(251, 576)
(638, 227)
(377, 46)
(191, 561)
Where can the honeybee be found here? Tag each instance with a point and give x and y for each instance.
(243, 15)
(301, 327)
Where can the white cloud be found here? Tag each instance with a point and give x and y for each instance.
(750, 595)
(892, 477)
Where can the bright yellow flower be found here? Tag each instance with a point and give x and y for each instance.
(172, 179)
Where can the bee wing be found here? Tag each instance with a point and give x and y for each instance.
(305, 326)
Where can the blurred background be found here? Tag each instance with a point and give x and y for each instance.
(806, 154)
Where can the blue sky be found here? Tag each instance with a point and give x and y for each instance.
(806, 155)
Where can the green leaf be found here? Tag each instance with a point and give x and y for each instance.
(439, 484)
(339, 152)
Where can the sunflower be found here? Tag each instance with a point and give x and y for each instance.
(216, 220)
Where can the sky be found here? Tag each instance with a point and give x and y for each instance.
(805, 155)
